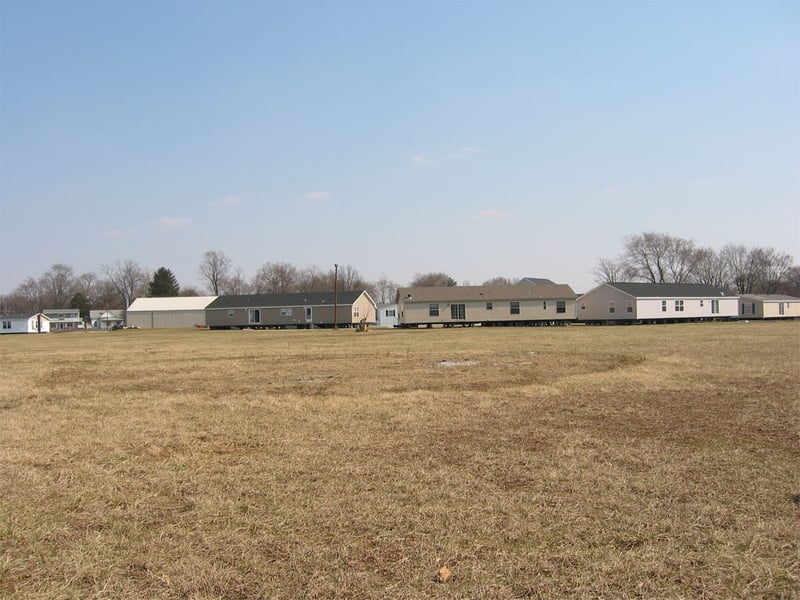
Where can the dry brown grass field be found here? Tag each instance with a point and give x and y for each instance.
(570, 462)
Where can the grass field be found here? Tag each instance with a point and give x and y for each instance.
(569, 462)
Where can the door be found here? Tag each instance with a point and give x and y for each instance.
(308, 315)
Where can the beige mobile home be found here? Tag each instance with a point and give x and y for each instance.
(769, 306)
(169, 312)
(655, 302)
(541, 304)
(295, 311)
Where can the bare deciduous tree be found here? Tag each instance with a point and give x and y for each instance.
(275, 278)
(500, 281)
(236, 283)
(58, 286)
(433, 280)
(128, 279)
(610, 271)
(385, 290)
(214, 268)
(313, 279)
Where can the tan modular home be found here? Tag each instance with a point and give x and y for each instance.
(295, 311)
(769, 306)
(168, 313)
(541, 304)
(655, 302)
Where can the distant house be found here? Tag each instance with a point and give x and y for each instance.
(387, 315)
(106, 319)
(64, 319)
(25, 323)
(535, 281)
(169, 312)
(769, 306)
(656, 302)
(296, 310)
(537, 304)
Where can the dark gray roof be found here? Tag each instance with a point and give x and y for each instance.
(25, 315)
(296, 299)
(535, 281)
(670, 290)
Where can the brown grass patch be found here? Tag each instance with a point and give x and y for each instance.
(587, 462)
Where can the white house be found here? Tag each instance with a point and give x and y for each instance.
(64, 319)
(387, 315)
(656, 302)
(769, 306)
(169, 312)
(25, 323)
(107, 318)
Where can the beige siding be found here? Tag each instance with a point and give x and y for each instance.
(596, 305)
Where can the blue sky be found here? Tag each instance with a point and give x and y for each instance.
(476, 138)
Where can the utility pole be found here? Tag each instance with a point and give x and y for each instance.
(335, 294)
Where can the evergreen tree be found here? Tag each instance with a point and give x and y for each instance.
(163, 284)
(80, 302)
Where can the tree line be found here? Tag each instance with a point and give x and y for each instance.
(650, 257)
(662, 258)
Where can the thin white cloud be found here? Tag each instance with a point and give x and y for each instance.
(464, 151)
(316, 196)
(118, 234)
(490, 214)
(174, 222)
(227, 201)
(445, 154)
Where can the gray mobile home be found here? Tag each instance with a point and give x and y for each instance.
(295, 311)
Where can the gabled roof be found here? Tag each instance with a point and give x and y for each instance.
(535, 281)
(23, 316)
(466, 293)
(670, 290)
(171, 303)
(769, 297)
(294, 299)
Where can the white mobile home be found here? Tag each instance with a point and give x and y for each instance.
(25, 323)
(655, 302)
(769, 306)
(387, 315)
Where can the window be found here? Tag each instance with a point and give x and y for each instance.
(583, 305)
(663, 306)
(714, 307)
(515, 308)
(544, 304)
(488, 306)
(561, 306)
(231, 314)
(678, 305)
(629, 306)
(390, 312)
(254, 315)
(433, 310)
(612, 308)
(6, 324)
(701, 303)
(355, 312)
(458, 311)
(286, 312)
(781, 308)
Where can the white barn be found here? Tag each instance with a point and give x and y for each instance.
(170, 312)
(25, 323)
(655, 302)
